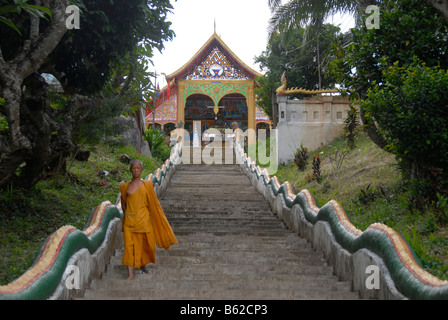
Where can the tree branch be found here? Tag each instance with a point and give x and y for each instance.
(29, 61)
(441, 6)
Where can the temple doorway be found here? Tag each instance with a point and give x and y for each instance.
(232, 110)
(198, 107)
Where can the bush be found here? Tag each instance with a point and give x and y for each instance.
(156, 141)
(411, 109)
(301, 158)
(351, 123)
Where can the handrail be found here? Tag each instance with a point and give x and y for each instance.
(42, 279)
(409, 277)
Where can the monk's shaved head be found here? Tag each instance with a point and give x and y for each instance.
(136, 161)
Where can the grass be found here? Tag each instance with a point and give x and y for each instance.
(368, 184)
(28, 217)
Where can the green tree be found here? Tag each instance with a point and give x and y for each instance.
(311, 14)
(411, 109)
(94, 65)
(409, 28)
(292, 53)
(303, 12)
(397, 74)
(156, 141)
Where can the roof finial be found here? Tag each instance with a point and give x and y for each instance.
(215, 25)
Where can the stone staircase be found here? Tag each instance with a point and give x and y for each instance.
(231, 247)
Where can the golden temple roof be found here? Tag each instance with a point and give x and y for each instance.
(213, 40)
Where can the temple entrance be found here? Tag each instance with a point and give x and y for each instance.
(216, 89)
(198, 107)
(233, 108)
(232, 111)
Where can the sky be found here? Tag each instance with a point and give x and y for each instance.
(241, 24)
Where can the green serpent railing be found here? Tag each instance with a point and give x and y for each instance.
(42, 279)
(403, 265)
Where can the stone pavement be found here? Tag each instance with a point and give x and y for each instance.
(231, 247)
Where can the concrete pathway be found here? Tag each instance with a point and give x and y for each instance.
(231, 247)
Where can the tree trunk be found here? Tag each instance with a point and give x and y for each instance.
(441, 6)
(372, 131)
(29, 124)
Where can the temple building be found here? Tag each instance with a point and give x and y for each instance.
(214, 88)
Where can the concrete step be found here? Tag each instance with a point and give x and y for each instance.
(217, 294)
(205, 223)
(186, 213)
(231, 247)
(309, 260)
(224, 200)
(222, 217)
(213, 276)
(208, 167)
(237, 242)
(148, 283)
(225, 269)
(218, 205)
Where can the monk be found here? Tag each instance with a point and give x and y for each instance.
(144, 223)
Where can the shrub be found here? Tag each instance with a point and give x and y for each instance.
(301, 158)
(156, 141)
(411, 109)
(351, 123)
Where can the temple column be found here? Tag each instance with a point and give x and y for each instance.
(251, 125)
(181, 107)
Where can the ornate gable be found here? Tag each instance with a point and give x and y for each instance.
(214, 61)
(216, 65)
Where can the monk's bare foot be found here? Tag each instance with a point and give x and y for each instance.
(144, 270)
(131, 273)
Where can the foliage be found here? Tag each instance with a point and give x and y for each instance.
(294, 53)
(371, 190)
(154, 137)
(316, 168)
(303, 12)
(96, 122)
(316, 174)
(17, 7)
(301, 157)
(396, 75)
(411, 109)
(102, 69)
(338, 158)
(264, 93)
(351, 124)
(408, 29)
(3, 121)
(157, 145)
(85, 59)
(28, 217)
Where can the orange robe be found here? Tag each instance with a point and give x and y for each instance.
(144, 225)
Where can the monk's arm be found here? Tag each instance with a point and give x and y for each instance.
(123, 205)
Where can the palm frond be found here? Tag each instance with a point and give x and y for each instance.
(302, 12)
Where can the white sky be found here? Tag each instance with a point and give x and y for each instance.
(241, 24)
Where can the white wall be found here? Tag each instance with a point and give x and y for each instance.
(312, 121)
